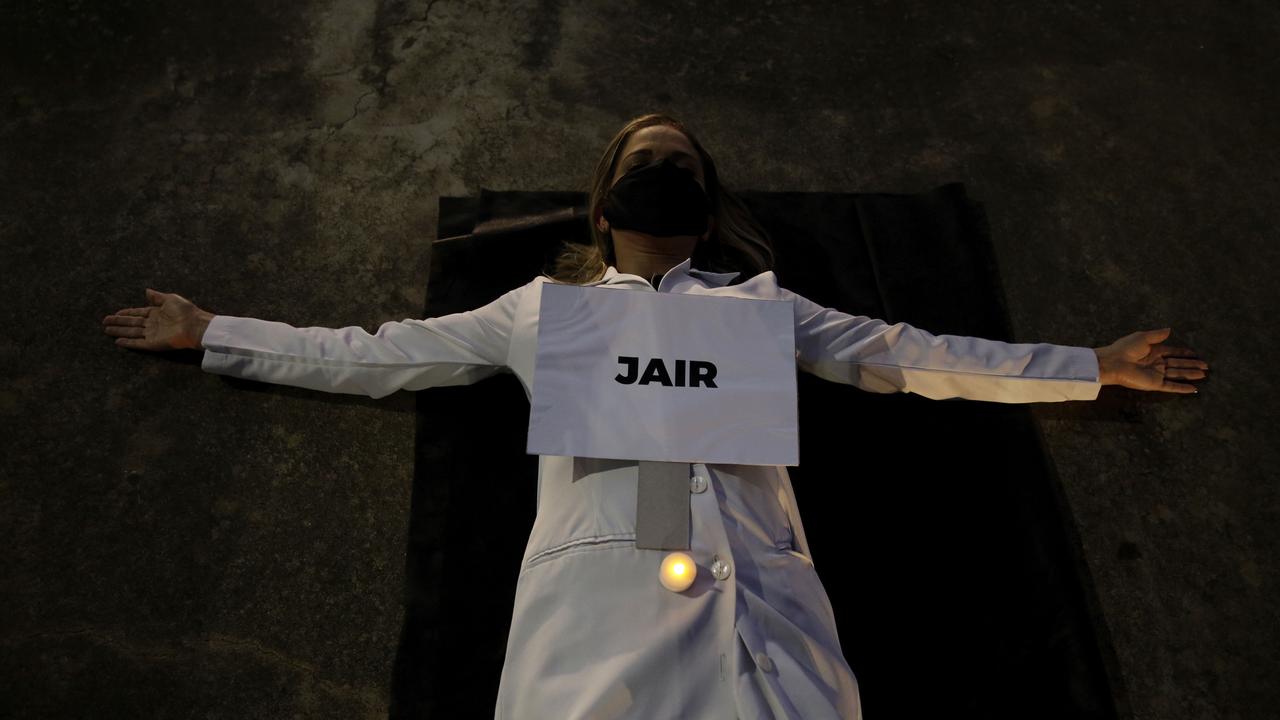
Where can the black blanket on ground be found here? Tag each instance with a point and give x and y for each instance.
(937, 527)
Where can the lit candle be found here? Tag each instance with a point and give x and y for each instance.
(677, 572)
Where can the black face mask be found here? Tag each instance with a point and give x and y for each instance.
(659, 199)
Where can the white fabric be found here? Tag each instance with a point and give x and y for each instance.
(594, 634)
(736, 405)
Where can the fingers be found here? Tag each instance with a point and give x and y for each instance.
(119, 317)
(124, 327)
(1181, 373)
(125, 331)
(128, 326)
(139, 344)
(134, 339)
(122, 318)
(1173, 351)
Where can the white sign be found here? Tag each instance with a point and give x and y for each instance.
(672, 377)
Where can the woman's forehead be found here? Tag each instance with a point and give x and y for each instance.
(658, 138)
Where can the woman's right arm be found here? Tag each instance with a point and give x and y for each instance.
(456, 349)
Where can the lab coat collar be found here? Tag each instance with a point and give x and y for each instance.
(613, 277)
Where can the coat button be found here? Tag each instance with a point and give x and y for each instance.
(764, 662)
(720, 569)
(698, 484)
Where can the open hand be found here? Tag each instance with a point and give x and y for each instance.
(168, 322)
(1140, 361)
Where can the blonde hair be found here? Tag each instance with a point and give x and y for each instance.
(737, 243)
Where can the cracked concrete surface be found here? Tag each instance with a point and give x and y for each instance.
(170, 534)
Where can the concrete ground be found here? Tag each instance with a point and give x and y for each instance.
(179, 547)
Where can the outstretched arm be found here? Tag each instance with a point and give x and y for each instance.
(884, 358)
(456, 349)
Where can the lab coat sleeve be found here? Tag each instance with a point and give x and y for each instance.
(456, 349)
(878, 357)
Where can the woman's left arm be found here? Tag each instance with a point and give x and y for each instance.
(1141, 361)
(880, 357)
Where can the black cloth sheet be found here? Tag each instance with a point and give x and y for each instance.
(957, 594)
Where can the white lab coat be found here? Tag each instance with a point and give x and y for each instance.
(594, 635)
